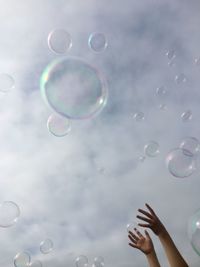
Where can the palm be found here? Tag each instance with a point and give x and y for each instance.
(144, 244)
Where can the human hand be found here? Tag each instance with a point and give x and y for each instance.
(143, 243)
(152, 220)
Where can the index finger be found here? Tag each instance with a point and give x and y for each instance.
(150, 209)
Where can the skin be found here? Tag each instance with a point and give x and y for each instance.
(145, 245)
(150, 220)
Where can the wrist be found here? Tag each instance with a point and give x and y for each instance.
(151, 254)
(163, 233)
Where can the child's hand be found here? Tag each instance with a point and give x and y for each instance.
(143, 243)
(152, 221)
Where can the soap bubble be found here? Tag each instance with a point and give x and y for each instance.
(59, 41)
(35, 263)
(186, 115)
(130, 226)
(58, 125)
(138, 116)
(191, 144)
(161, 91)
(151, 149)
(162, 107)
(7, 82)
(180, 78)
(171, 54)
(97, 42)
(81, 261)
(73, 88)
(9, 213)
(22, 259)
(141, 158)
(180, 162)
(197, 61)
(46, 246)
(99, 262)
(194, 231)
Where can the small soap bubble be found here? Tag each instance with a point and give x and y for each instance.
(172, 62)
(162, 107)
(197, 61)
(22, 259)
(9, 213)
(98, 262)
(138, 116)
(194, 231)
(97, 42)
(191, 144)
(131, 226)
(171, 54)
(161, 91)
(181, 163)
(46, 246)
(59, 41)
(151, 149)
(186, 115)
(141, 158)
(58, 125)
(81, 261)
(35, 263)
(180, 78)
(7, 82)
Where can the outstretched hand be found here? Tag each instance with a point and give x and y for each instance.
(141, 242)
(152, 220)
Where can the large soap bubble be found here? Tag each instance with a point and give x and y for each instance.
(74, 88)
(9, 213)
(194, 231)
(22, 259)
(59, 41)
(181, 162)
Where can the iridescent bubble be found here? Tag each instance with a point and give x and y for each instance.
(35, 263)
(171, 54)
(97, 42)
(7, 82)
(194, 231)
(191, 144)
(186, 115)
(180, 163)
(81, 261)
(73, 88)
(139, 116)
(46, 246)
(98, 262)
(9, 213)
(59, 41)
(22, 259)
(130, 226)
(151, 149)
(180, 78)
(161, 91)
(58, 125)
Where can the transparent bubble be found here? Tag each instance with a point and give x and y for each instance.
(162, 107)
(58, 125)
(141, 158)
(191, 144)
(98, 262)
(7, 83)
(97, 42)
(130, 226)
(197, 61)
(73, 88)
(172, 62)
(180, 163)
(151, 149)
(139, 116)
(9, 213)
(81, 261)
(180, 78)
(59, 41)
(22, 259)
(46, 246)
(161, 91)
(186, 115)
(194, 231)
(171, 54)
(35, 263)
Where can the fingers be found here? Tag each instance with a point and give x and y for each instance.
(144, 219)
(133, 245)
(147, 234)
(145, 213)
(133, 237)
(150, 209)
(138, 233)
(144, 225)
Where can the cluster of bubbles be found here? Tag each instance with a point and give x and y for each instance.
(73, 88)
(182, 161)
(82, 261)
(23, 259)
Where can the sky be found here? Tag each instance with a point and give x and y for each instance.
(82, 189)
